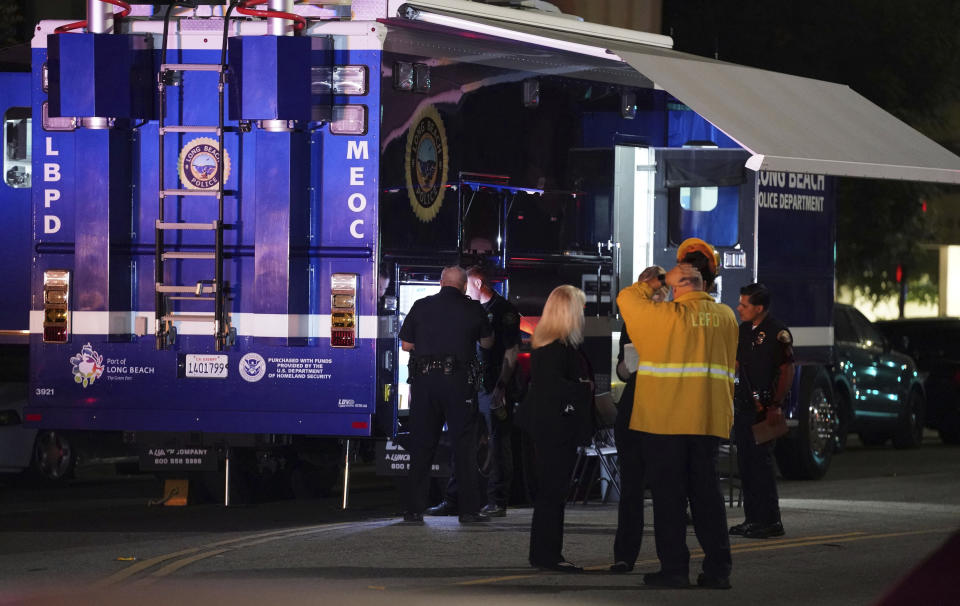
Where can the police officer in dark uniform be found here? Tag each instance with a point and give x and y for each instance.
(441, 332)
(499, 363)
(765, 373)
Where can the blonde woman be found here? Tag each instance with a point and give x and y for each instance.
(560, 418)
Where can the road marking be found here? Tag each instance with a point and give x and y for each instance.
(694, 553)
(195, 554)
(192, 555)
(884, 507)
(129, 571)
(512, 577)
(860, 537)
(144, 565)
(175, 566)
(767, 545)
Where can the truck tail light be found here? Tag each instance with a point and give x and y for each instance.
(350, 79)
(56, 306)
(338, 79)
(349, 120)
(343, 310)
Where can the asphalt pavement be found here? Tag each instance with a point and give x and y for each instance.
(850, 537)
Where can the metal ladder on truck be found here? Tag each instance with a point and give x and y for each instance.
(213, 290)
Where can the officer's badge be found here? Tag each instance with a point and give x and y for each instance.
(760, 338)
(784, 337)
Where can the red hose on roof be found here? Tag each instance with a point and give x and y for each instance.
(244, 9)
(77, 25)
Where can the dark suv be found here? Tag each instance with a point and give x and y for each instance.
(879, 394)
(935, 344)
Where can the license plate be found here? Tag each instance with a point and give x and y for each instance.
(206, 366)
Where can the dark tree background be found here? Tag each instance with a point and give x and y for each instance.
(903, 56)
(11, 22)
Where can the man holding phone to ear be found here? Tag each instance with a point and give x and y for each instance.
(683, 407)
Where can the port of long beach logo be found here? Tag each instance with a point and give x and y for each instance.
(87, 366)
(199, 161)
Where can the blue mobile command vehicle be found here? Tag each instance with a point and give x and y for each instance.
(216, 216)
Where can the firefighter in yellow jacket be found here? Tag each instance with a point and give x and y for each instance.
(683, 408)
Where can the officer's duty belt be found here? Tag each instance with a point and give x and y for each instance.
(424, 365)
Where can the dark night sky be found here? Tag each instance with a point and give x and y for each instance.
(905, 57)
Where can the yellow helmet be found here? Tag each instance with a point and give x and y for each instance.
(696, 244)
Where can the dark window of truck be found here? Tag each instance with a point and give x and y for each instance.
(481, 219)
(551, 222)
(709, 213)
(703, 195)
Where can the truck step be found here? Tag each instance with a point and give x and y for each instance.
(191, 67)
(205, 289)
(167, 193)
(188, 128)
(189, 318)
(174, 225)
(188, 255)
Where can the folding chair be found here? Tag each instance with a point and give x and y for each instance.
(597, 462)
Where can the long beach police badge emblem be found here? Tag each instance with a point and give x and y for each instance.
(426, 163)
(199, 160)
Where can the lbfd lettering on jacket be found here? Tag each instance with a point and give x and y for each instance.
(705, 319)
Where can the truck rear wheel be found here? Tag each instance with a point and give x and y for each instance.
(53, 459)
(805, 453)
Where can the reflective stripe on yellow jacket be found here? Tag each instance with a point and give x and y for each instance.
(687, 350)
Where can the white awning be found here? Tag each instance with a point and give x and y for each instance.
(798, 124)
(786, 122)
